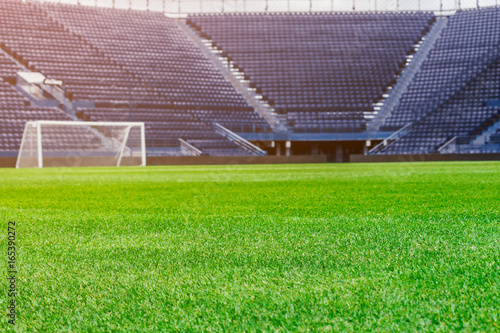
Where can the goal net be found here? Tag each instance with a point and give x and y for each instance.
(75, 143)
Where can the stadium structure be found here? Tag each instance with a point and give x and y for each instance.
(330, 83)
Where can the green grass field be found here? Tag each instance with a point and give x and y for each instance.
(351, 247)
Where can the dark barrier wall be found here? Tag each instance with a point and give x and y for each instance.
(424, 158)
(194, 160)
(10, 162)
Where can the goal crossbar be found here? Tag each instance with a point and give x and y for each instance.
(88, 123)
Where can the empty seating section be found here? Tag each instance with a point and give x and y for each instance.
(119, 59)
(318, 63)
(15, 110)
(166, 133)
(153, 48)
(448, 96)
(164, 127)
(238, 122)
(326, 122)
(43, 45)
(143, 43)
(11, 98)
(12, 123)
(8, 68)
(495, 138)
(13, 117)
(463, 116)
(323, 72)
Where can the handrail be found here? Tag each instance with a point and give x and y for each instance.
(447, 143)
(393, 137)
(188, 148)
(238, 140)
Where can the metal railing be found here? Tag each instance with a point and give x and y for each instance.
(475, 149)
(189, 149)
(238, 140)
(401, 132)
(449, 146)
(324, 129)
(245, 127)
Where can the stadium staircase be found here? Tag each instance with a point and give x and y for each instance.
(485, 136)
(237, 79)
(447, 96)
(178, 92)
(36, 98)
(412, 67)
(324, 71)
(188, 149)
(7, 55)
(390, 140)
(238, 140)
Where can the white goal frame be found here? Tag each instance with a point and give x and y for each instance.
(40, 123)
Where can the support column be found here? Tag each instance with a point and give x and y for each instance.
(367, 146)
(278, 148)
(288, 146)
(39, 144)
(143, 145)
(339, 153)
(314, 149)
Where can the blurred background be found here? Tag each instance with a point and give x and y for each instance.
(217, 6)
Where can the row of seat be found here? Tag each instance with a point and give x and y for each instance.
(449, 96)
(291, 58)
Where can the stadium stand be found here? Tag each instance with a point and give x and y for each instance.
(42, 45)
(150, 46)
(314, 67)
(15, 110)
(449, 95)
(495, 138)
(13, 119)
(154, 50)
(321, 72)
(8, 68)
(162, 133)
(138, 81)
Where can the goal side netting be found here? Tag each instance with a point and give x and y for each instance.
(75, 143)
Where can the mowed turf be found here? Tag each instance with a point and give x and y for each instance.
(351, 247)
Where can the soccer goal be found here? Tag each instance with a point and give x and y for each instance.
(82, 143)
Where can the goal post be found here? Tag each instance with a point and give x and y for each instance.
(82, 143)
